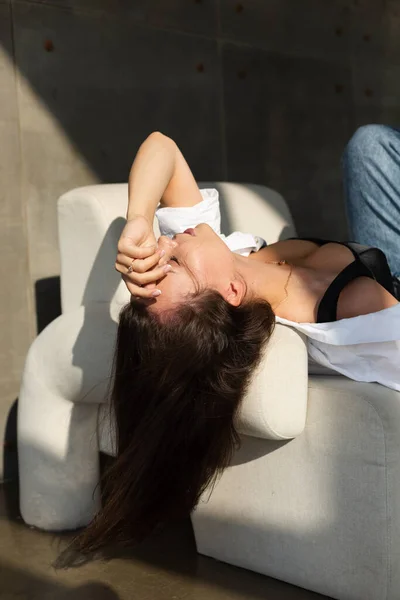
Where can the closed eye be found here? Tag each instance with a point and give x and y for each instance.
(187, 270)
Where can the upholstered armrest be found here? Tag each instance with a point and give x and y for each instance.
(275, 405)
(90, 222)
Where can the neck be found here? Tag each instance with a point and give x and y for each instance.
(263, 280)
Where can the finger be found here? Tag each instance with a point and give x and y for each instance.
(132, 251)
(169, 246)
(139, 265)
(149, 276)
(140, 292)
(166, 257)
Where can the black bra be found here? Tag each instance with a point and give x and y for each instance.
(368, 262)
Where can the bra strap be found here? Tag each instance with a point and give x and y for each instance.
(375, 259)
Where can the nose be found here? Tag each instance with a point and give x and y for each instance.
(166, 242)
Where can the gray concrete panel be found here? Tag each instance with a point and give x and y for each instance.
(8, 104)
(132, 9)
(376, 61)
(15, 292)
(10, 172)
(14, 313)
(315, 28)
(194, 16)
(87, 104)
(287, 122)
(10, 202)
(376, 84)
(52, 166)
(371, 22)
(15, 323)
(391, 28)
(376, 113)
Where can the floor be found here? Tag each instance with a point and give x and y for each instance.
(168, 568)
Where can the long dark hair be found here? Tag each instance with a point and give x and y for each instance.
(177, 385)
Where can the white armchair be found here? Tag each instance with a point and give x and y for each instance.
(313, 501)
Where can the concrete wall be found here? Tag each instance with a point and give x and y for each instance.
(266, 91)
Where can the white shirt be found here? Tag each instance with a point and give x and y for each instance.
(364, 348)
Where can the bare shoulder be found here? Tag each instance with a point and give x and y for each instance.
(363, 296)
(289, 250)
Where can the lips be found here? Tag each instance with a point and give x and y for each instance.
(190, 231)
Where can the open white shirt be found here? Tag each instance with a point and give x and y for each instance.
(364, 348)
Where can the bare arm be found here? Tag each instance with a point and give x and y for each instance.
(160, 173)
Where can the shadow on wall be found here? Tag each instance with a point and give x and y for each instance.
(109, 82)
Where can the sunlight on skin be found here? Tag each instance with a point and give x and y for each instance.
(204, 261)
(202, 258)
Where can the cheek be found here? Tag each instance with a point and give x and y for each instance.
(214, 264)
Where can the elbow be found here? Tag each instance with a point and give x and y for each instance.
(156, 135)
(160, 137)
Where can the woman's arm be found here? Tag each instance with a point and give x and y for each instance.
(160, 173)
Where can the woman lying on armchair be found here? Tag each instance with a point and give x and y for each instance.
(202, 309)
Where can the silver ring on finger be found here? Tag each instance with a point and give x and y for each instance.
(130, 268)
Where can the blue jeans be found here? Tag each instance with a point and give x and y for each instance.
(371, 175)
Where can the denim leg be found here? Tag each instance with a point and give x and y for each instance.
(371, 175)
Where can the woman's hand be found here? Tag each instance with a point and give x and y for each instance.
(137, 248)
